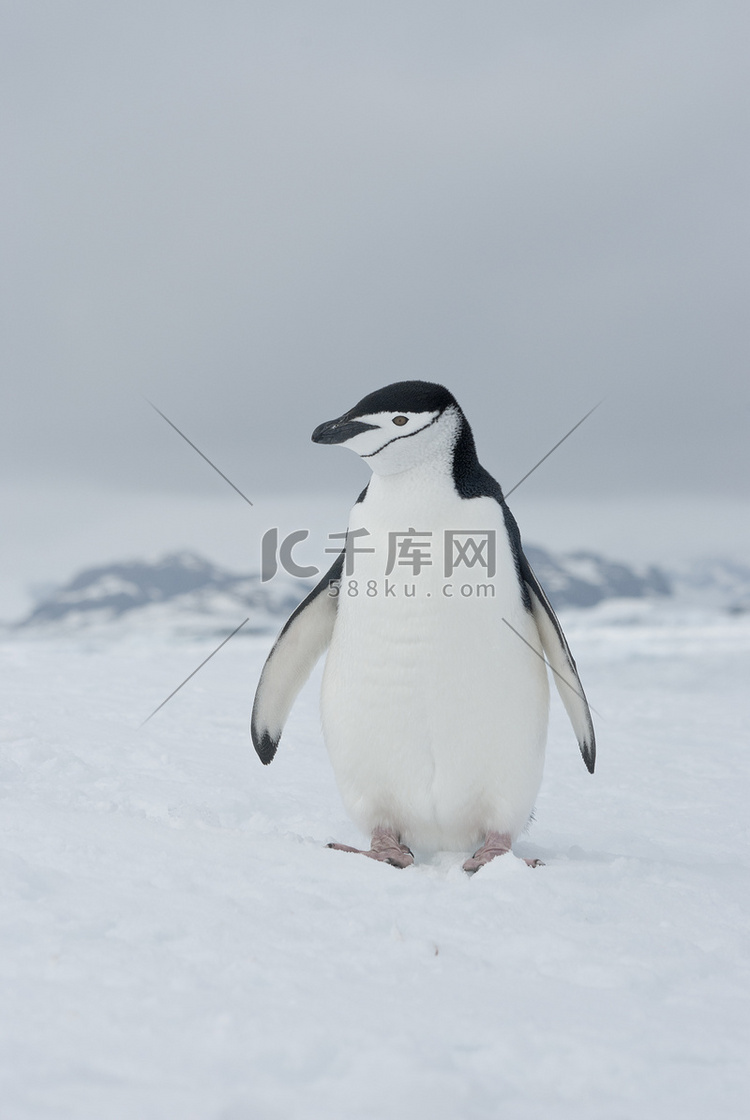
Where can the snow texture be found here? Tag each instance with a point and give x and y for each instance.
(178, 942)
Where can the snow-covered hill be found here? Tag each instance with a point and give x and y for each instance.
(719, 583)
(583, 579)
(186, 594)
(181, 591)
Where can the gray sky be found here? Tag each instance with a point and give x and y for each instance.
(254, 213)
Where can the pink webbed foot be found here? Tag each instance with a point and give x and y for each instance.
(496, 844)
(385, 847)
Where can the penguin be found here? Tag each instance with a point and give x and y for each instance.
(435, 693)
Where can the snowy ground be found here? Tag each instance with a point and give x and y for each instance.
(177, 942)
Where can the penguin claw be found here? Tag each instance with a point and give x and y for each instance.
(400, 856)
(385, 847)
(496, 844)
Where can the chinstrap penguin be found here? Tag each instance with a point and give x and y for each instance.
(435, 697)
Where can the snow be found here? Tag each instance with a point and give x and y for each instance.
(177, 941)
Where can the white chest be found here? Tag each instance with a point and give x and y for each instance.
(430, 701)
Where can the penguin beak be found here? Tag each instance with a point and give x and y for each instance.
(341, 430)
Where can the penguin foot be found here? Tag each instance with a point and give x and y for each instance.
(385, 847)
(496, 844)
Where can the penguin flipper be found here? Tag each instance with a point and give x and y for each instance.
(562, 664)
(306, 635)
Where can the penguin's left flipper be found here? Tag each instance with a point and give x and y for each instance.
(562, 664)
(306, 636)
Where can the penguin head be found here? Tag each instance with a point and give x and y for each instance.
(397, 427)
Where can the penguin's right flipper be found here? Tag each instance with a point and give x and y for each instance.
(562, 664)
(306, 635)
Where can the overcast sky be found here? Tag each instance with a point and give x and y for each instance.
(255, 213)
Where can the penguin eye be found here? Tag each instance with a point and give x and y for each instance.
(400, 420)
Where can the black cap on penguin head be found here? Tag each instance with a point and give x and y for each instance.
(405, 396)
